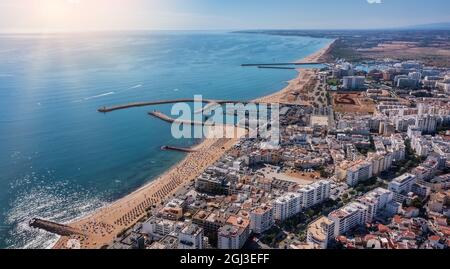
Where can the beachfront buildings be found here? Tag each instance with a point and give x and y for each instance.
(261, 219)
(173, 210)
(210, 184)
(156, 228)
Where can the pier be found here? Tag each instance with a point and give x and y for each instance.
(275, 67)
(210, 103)
(208, 107)
(142, 104)
(55, 228)
(164, 117)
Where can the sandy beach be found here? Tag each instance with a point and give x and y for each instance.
(298, 84)
(101, 227)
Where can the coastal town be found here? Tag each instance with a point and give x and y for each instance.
(363, 163)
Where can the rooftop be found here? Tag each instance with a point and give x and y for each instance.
(318, 228)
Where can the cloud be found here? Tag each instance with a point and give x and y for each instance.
(375, 1)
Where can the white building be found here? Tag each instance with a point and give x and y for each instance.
(320, 232)
(287, 206)
(361, 212)
(354, 172)
(376, 201)
(315, 193)
(401, 186)
(191, 237)
(427, 124)
(398, 148)
(372, 207)
(415, 75)
(383, 197)
(157, 228)
(234, 234)
(229, 237)
(348, 217)
(413, 132)
(380, 162)
(261, 219)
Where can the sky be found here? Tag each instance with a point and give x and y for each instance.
(103, 15)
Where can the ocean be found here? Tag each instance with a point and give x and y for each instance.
(60, 159)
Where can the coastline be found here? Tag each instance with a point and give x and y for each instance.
(106, 223)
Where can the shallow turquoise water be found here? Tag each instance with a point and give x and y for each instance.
(60, 159)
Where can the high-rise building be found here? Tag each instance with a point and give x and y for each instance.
(401, 186)
(261, 219)
(354, 172)
(287, 206)
(353, 82)
(234, 234)
(315, 193)
(427, 124)
(360, 212)
(348, 217)
(320, 232)
(190, 237)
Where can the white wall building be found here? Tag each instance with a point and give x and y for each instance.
(361, 212)
(261, 219)
(287, 206)
(234, 234)
(158, 227)
(320, 232)
(348, 217)
(427, 124)
(355, 172)
(190, 237)
(401, 186)
(315, 193)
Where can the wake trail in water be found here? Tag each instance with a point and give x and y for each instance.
(132, 88)
(109, 93)
(100, 95)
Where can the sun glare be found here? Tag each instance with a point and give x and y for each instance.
(91, 15)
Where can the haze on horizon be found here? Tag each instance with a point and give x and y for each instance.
(104, 15)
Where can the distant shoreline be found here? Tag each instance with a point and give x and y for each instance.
(104, 224)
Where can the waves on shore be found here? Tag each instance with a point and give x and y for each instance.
(57, 202)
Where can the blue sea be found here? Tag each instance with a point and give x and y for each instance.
(60, 159)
